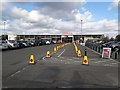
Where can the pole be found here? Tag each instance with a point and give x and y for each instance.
(4, 27)
(85, 52)
(81, 30)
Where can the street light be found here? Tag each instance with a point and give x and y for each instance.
(81, 29)
(4, 27)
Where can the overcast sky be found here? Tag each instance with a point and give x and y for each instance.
(58, 17)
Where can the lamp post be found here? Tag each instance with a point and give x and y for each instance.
(4, 27)
(81, 29)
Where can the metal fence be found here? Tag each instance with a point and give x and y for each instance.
(97, 47)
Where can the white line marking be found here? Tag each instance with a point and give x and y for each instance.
(114, 63)
(61, 53)
(102, 61)
(15, 73)
(107, 65)
(44, 58)
(114, 60)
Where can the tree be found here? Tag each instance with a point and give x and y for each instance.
(117, 38)
(105, 39)
(112, 39)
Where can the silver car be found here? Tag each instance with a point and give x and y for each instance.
(12, 43)
(3, 45)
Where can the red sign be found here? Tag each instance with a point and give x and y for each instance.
(67, 33)
(106, 53)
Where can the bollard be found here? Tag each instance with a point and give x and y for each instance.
(96, 49)
(85, 52)
(115, 55)
(55, 49)
(99, 49)
(85, 60)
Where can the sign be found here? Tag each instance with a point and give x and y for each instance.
(67, 33)
(106, 53)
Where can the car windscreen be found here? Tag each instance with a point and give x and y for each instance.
(11, 41)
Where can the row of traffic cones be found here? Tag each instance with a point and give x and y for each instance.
(55, 49)
(78, 52)
(32, 59)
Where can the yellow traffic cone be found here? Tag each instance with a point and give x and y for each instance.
(79, 53)
(55, 49)
(32, 60)
(48, 54)
(85, 61)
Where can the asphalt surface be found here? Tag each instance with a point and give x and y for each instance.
(62, 70)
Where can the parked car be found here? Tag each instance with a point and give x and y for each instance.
(53, 42)
(108, 44)
(22, 44)
(3, 45)
(43, 42)
(37, 42)
(48, 42)
(59, 42)
(12, 44)
(31, 43)
(115, 46)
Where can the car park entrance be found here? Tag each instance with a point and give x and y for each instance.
(67, 38)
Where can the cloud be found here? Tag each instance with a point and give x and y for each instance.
(51, 20)
(114, 4)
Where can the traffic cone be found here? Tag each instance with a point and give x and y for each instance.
(85, 61)
(32, 60)
(55, 49)
(48, 54)
(79, 53)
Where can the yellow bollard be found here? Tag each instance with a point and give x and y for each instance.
(48, 54)
(55, 49)
(32, 60)
(76, 49)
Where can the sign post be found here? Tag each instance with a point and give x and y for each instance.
(106, 53)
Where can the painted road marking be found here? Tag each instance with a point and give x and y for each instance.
(61, 53)
(17, 72)
(102, 61)
(106, 61)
